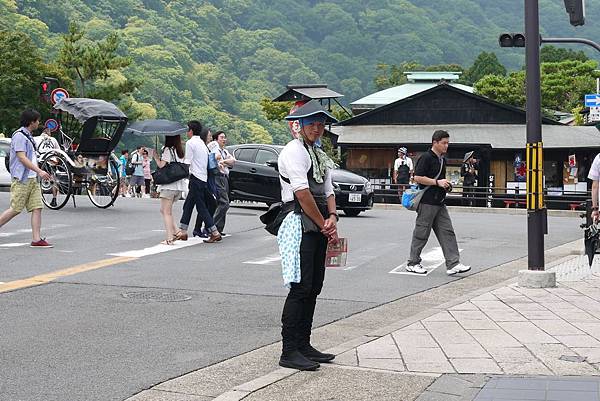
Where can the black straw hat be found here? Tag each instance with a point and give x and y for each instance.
(312, 108)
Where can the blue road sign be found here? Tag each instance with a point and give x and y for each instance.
(592, 100)
(51, 124)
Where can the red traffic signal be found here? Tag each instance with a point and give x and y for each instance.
(46, 86)
(512, 40)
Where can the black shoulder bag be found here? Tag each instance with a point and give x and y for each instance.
(171, 172)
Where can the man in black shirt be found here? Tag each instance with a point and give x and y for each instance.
(430, 173)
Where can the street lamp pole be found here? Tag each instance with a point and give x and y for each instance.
(536, 212)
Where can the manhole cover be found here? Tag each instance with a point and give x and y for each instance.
(157, 296)
(572, 358)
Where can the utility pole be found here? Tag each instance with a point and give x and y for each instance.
(536, 211)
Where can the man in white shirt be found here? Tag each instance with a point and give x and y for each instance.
(196, 153)
(305, 186)
(226, 160)
(403, 170)
(594, 175)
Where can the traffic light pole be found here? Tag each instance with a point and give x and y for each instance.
(536, 216)
(535, 276)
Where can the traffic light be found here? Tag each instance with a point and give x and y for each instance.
(512, 39)
(576, 11)
(47, 85)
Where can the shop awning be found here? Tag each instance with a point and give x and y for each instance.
(498, 136)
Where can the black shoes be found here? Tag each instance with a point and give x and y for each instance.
(295, 360)
(315, 355)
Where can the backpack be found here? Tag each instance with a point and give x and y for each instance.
(7, 158)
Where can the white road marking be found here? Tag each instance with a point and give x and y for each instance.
(431, 260)
(268, 260)
(24, 230)
(3, 235)
(158, 231)
(161, 248)
(14, 244)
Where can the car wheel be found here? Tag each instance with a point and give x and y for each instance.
(352, 212)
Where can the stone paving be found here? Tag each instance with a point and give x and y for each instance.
(509, 330)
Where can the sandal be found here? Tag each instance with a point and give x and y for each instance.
(180, 236)
(167, 242)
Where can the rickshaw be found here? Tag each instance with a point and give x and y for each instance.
(88, 132)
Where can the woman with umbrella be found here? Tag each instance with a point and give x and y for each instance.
(172, 151)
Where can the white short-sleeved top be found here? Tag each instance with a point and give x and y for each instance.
(400, 162)
(196, 154)
(594, 173)
(179, 185)
(294, 163)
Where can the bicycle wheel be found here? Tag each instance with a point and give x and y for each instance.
(57, 190)
(103, 190)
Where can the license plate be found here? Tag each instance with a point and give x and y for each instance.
(354, 197)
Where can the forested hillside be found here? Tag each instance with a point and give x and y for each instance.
(217, 59)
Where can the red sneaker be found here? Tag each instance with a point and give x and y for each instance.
(41, 244)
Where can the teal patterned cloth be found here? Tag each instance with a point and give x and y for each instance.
(319, 160)
(289, 238)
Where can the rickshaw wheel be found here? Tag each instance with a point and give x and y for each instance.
(57, 190)
(103, 190)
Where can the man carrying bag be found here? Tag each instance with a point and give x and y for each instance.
(432, 212)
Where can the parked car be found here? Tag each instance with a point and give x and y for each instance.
(255, 178)
(4, 152)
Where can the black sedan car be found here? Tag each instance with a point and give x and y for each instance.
(255, 178)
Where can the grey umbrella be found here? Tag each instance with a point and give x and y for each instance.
(156, 127)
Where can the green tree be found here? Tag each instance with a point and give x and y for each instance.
(552, 54)
(563, 85)
(90, 60)
(22, 70)
(485, 64)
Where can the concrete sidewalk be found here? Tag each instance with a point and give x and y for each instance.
(499, 343)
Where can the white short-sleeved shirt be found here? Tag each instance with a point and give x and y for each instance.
(179, 185)
(196, 154)
(294, 163)
(595, 171)
(399, 162)
(45, 143)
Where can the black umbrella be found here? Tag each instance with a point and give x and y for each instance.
(157, 127)
(591, 241)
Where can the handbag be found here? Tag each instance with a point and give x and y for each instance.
(213, 165)
(171, 172)
(273, 218)
(411, 198)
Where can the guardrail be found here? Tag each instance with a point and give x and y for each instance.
(492, 197)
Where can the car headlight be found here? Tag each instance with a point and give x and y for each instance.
(368, 187)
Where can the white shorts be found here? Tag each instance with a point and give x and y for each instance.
(171, 194)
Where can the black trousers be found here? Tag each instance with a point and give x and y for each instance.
(198, 196)
(299, 307)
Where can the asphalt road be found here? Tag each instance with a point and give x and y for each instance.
(108, 333)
